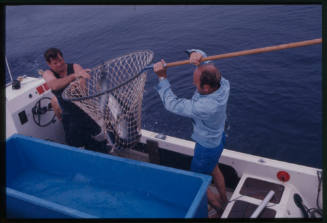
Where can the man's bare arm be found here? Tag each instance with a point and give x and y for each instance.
(59, 83)
(56, 108)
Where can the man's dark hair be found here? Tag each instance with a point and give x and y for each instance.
(211, 78)
(52, 53)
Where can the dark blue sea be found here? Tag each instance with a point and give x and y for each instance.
(275, 104)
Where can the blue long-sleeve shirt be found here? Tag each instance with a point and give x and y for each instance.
(207, 111)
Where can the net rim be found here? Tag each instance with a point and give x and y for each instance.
(146, 68)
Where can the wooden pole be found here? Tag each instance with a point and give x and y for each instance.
(253, 51)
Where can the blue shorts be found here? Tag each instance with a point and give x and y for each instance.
(205, 159)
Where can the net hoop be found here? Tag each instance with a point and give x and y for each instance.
(66, 96)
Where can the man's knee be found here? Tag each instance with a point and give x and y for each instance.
(215, 170)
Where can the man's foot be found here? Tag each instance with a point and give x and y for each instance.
(100, 136)
(215, 212)
(222, 201)
(212, 213)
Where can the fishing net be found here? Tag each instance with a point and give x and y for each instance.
(113, 96)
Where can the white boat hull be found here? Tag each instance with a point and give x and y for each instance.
(303, 180)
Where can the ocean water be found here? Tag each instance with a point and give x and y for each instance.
(275, 104)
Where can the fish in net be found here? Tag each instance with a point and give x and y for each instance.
(113, 96)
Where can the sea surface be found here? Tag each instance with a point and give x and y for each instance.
(275, 104)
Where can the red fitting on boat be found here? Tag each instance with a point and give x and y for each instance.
(283, 176)
(40, 89)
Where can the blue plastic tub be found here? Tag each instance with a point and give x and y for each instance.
(50, 180)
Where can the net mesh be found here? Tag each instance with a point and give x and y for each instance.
(118, 111)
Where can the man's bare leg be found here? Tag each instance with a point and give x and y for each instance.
(219, 181)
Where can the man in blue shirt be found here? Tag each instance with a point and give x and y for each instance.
(207, 108)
